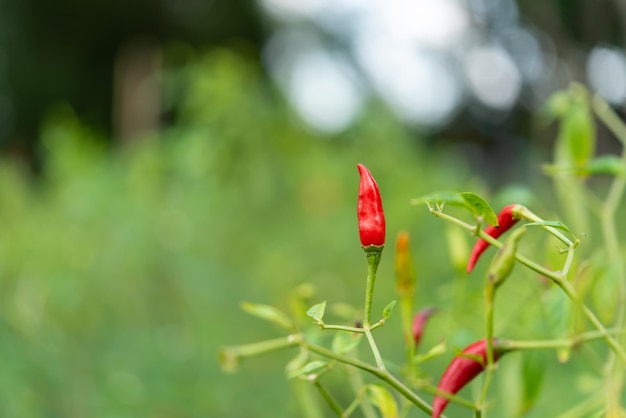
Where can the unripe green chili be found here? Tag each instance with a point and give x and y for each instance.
(504, 260)
(463, 369)
(507, 217)
(370, 211)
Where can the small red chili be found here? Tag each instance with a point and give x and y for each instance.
(463, 368)
(370, 210)
(507, 217)
(419, 323)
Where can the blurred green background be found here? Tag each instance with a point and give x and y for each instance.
(157, 169)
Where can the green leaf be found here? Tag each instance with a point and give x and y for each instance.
(471, 201)
(382, 399)
(552, 224)
(269, 313)
(317, 312)
(435, 351)
(344, 342)
(479, 207)
(452, 198)
(388, 309)
(610, 165)
(313, 367)
(533, 371)
(298, 361)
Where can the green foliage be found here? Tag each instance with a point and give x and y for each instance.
(121, 269)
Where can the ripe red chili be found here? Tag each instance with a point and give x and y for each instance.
(370, 210)
(506, 219)
(463, 368)
(419, 323)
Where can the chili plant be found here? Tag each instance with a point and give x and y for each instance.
(575, 280)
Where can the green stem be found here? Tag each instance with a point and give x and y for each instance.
(329, 399)
(406, 305)
(609, 118)
(490, 291)
(376, 371)
(352, 329)
(558, 343)
(373, 259)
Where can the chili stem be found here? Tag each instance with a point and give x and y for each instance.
(373, 259)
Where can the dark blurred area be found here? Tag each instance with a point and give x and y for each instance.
(66, 52)
(473, 72)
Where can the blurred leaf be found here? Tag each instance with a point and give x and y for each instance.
(388, 309)
(533, 371)
(228, 360)
(605, 292)
(435, 351)
(559, 313)
(471, 201)
(313, 367)
(458, 248)
(480, 208)
(298, 361)
(268, 313)
(553, 224)
(452, 198)
(344, 342)
(383, 400)
(317, 312)
(611, 165)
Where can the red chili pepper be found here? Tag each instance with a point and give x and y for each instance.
(370, 210)
(419, 323)
(506, 219)
(463, 368)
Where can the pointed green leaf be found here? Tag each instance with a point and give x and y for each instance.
(388, 309)
(552, 224)
(269, 313)
(452, 198)
(480, 208)
(382, 399)
(344, 342)
(317, 312)
(313, 367)
(435, 351)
